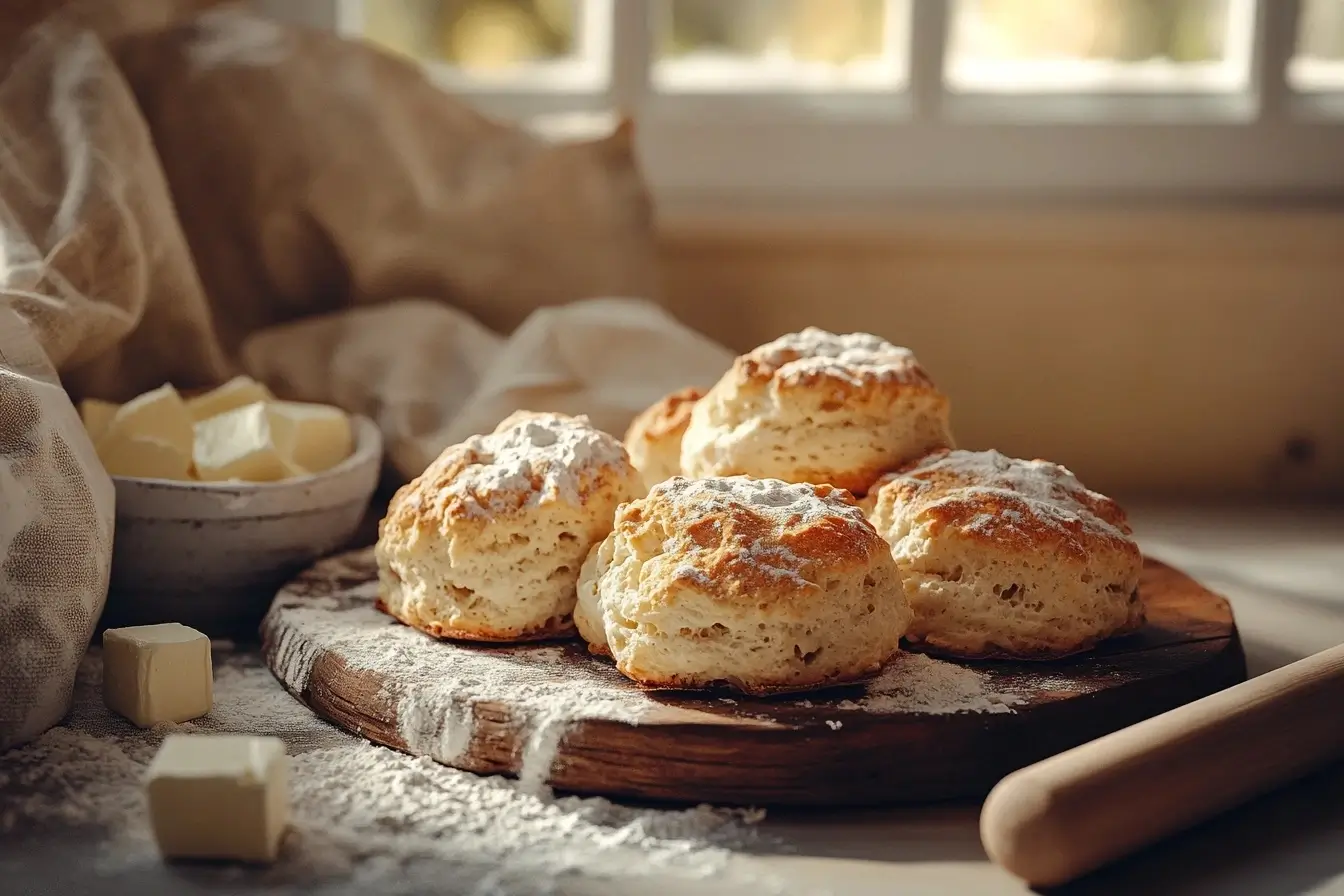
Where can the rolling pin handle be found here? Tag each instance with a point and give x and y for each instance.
(1072, 813)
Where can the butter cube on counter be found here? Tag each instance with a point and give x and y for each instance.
(315, 437)
(157, 673)
(97, 416)
(219, 797)
(236, 393)
(239, 444)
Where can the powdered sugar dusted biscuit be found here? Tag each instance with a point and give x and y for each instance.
(817, 407)
(1008, 558)
(756, 583)
(654, 437)
(486, 544)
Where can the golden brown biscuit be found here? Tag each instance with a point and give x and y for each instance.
(486, 544)
(654, 437)
(1008, 558)
(817, 407)
(762, 585)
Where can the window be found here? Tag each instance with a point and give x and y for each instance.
(898, 99)
(551, 47)
(1318, 64)
(784, 45)
(1068, 46)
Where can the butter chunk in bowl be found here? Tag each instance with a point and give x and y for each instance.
(224, 496)
(236, 432)
(270, 440)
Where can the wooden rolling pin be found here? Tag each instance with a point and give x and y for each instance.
(1072, 813)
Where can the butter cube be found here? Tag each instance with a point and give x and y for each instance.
(97, 415)
(238, 444)
(236, 393)
(128, 455)
(157, 673)
(159, 414)
(219, 797)
(315, 437)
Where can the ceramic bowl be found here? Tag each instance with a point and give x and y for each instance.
(212, 555)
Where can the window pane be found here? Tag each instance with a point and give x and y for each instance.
(792, 44)
(1091, 45)
(1319, 63)
(485, 38)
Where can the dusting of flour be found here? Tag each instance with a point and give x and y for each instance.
(532, 457)
(854, 357)
(1019, 497)
(915, 683)
(784, 504)
(786, 507)
(378, 819)
(386, 822)
(438, 688)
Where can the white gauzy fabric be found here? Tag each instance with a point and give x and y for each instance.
(607, 358)
(56, 503)
(407, 365)
(431, 376)
(56, 509)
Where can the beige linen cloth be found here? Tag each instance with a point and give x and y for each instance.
(181, 203)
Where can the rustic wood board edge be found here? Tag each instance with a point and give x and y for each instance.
(876, 760)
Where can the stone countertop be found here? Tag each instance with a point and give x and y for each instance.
(1283, 571)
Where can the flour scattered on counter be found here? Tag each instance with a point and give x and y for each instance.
(382, 819)
(363, 813)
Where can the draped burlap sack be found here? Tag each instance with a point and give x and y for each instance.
(312, 173)
(109, 19)
(91, 253)
(168, 197)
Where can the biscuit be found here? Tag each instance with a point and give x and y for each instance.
(1007, 558)
(486, 544)
(817, 407)
(654, 437)
(760, 585)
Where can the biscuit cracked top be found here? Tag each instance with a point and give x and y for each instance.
(736, 538)
(812, 355)
(530, 459)
(988, 497)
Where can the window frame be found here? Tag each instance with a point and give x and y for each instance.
(717, 148)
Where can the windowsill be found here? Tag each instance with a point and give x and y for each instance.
(733, 150)
(752, 206)
(1012, 221)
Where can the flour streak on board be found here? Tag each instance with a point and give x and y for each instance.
(440, 730)
(436, 686)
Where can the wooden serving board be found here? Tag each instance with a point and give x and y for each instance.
(844, 746)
